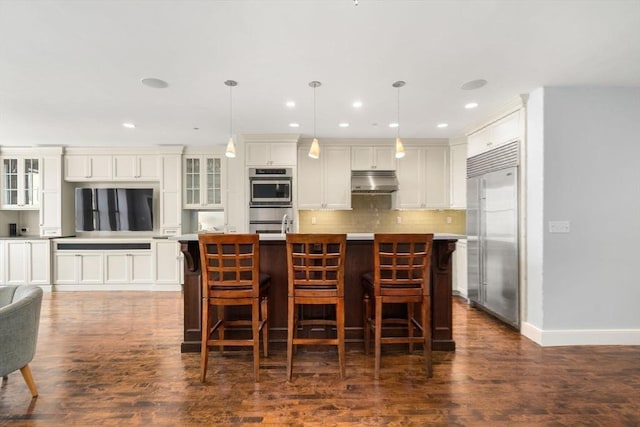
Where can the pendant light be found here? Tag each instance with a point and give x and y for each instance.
(399, 147)
(231, 147)
(314, 151)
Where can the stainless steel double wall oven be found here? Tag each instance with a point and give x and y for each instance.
(270, 208)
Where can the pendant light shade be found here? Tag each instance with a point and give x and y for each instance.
(399, 146)
(314, 151)
(231, 146)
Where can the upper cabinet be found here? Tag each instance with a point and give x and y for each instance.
(203, 181)
(458, 174)
(88, 167)
(324, 183)
(503, 131)
(423, 176)
(21, 182)
(370, 158)
(270, 154)
(135, 168)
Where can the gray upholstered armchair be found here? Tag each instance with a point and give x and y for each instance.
(19, 321)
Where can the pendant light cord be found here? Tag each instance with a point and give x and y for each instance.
(398, 118)
(230, 111)
(314, 111)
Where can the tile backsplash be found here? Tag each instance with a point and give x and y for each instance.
(373, 213)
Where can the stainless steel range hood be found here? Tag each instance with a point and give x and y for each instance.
(373, 182)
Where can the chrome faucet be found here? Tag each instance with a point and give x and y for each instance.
(285, 227)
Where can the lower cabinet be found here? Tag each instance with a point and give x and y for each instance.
(26, 262)
(106, 264)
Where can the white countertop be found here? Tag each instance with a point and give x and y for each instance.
(350, 236)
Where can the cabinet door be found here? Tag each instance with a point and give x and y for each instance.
(100, 168)
(477, 142)
(51, 201)
(436, 173)
(283, 154)
(140, 267)
(309, 183)
(411, 180)
(21, 183)
(76, 168)
(505, 130)
(39, 262)
(10, 179)
(170, 195)
(212, 182)
(65, 268)
(361, 158)
(148, 167)
(192, 184)
(16, 262)
(258, 154)
(384, 158)
(116, 267)
(336, 177)
(125, 167)
(90, 268)
(167, 262)
(458, 178)
(88, 168)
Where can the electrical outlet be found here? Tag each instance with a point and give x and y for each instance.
(398, 220)
(448, 220)
(313, 220)
(24, 229)
(559, 226)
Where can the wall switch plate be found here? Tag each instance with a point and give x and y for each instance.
(559, 226)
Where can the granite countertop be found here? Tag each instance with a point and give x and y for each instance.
(350, 236)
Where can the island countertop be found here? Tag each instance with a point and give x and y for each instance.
(359, 261)
(350, 236)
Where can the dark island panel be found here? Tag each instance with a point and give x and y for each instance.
(359, 260)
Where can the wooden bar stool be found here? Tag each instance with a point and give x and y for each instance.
(401, 275)
(230, 277)
(316, 276)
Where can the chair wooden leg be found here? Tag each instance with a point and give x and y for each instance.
(340, 331)
(220, 309)
(426, 332)
(366, 318)
(264, 316)
(28, 378)
(204, 348)
(410, 316)
(255, 336)
(378, 337)
(290, 329)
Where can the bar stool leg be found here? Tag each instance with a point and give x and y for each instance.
(290, 334)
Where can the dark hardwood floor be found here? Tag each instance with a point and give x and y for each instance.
(113, 358)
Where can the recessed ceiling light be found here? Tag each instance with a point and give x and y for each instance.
(393, 125)
(442, 125)
(294, 125)
(344, 125)
(290, 104)
(154, 83)
(129, 125)
(357, 104)
(473, 84)
(471, 105)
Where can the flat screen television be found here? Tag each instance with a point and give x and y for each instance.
(114, 209)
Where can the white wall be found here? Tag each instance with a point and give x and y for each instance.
(590, 284)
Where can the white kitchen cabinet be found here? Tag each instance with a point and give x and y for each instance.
(27, 262)
(135, 168)
(203, 182)
(458, 178)
(423, 176)
(171, 195)
(503, 131)
(324, 183)
(373, 158)
(21, 182)
(168, 262)
(459, 269)
(81, 167)
(127, 267)
(78, 268)
(270, 154)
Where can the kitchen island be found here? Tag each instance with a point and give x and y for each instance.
(359, 260)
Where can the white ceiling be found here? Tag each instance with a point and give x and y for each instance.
(70, 71)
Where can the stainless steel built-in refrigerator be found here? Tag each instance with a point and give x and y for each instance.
(492, 232)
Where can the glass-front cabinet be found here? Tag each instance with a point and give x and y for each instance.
(202, 182)
(21, 183)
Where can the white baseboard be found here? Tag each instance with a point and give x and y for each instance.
(564, 337)
(116, 287)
